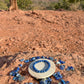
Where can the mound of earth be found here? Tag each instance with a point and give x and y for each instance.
(24, 34)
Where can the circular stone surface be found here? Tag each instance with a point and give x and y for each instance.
(40, 66)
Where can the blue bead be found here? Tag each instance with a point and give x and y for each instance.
(43, 82)
(58, 62)
(62, 67)
(43, 57)
(67, 82)
(18, 75)
(55, 59)
(49, 79)
(38, 57)
(51, 58)
(21, 60)
(12, 73)
(30, 83)
(26, 61)
(25, 83)
(62, 62)
(63, 82)
(33, 58)
(69, 68)
(57, 75)
(20, 65)
(15, 78)
(18, 69)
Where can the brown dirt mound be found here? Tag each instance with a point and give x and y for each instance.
(24, 34)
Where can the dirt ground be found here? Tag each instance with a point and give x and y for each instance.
(59, 34)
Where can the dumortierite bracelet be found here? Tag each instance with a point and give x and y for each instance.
(41, 71)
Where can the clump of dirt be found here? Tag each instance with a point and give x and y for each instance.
(59, 34)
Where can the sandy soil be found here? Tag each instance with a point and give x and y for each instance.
(59, 34)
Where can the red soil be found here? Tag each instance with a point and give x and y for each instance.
(48, 33)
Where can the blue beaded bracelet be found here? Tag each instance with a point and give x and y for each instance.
(41, 71)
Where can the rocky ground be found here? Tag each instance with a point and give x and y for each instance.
(24, 34)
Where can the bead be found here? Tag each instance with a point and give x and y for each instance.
(15, 78)
(67, 82)
(55, 59)
(21, 60)
(21, 78)
(70, 68)
(20, 65)
(58, 62)
(63, 82)
(62, 62)
(17, 75)
(30, 83)
(25, 83)
(12, 73)
(62, 67)
(51, 58)
(57, 75)
(49, 79)
(38, 57)
(33, 58)
(26, 61)
(43, 57)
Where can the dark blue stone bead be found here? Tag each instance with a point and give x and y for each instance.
(62, 67)
(38, 57)
(49, 79)
(15, 78)
(20, 65)
(63, 82)
(25, 83)
(18, 69)
(43, 57)
(43, 82)
(46, 57)
(30, 83)
(67, 82)
(62, 62)
(69, 68)
(18, 75)
(51, 58)
(33, 58)
(57, 76)
(21, 60)
(26, 61)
